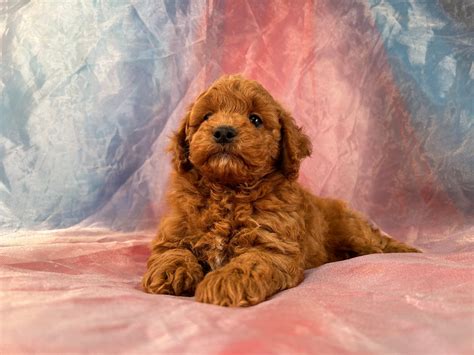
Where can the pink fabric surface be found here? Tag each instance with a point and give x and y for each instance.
(77, 291)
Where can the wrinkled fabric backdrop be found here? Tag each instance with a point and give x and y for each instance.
(91, 92)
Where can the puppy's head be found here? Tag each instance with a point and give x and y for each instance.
(236, 133)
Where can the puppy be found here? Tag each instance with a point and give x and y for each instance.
(240, 228)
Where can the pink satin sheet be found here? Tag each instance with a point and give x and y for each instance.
(77, 291)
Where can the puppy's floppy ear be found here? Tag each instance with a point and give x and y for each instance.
(294, 145)
(179, 146)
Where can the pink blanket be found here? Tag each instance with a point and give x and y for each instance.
(77, 291)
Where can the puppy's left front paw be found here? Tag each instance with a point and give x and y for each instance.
(230, 288)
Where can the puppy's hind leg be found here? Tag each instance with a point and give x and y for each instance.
(350, 234)
(371, 240)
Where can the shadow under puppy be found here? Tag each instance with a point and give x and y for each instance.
(240, 228)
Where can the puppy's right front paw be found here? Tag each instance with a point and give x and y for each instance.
(172, 274)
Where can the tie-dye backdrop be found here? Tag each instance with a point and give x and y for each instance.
(91, 91)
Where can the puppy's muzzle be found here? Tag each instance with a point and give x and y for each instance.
(224, 134)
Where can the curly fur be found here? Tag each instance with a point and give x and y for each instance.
(240, 228)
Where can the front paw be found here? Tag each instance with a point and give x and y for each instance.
(172, 273)
(230, 288)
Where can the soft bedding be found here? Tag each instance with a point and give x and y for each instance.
(91, 91)
(77, 291)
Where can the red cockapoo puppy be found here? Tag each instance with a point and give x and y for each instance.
(240, 228)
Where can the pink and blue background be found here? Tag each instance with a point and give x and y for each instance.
(91, 92)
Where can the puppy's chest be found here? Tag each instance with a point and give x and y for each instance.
(218, 229)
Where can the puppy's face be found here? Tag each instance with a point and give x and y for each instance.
(236, 133)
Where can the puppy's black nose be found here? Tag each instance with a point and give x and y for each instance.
(224, 134)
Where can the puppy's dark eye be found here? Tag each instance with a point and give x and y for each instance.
(255, 119)
(206, 116)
